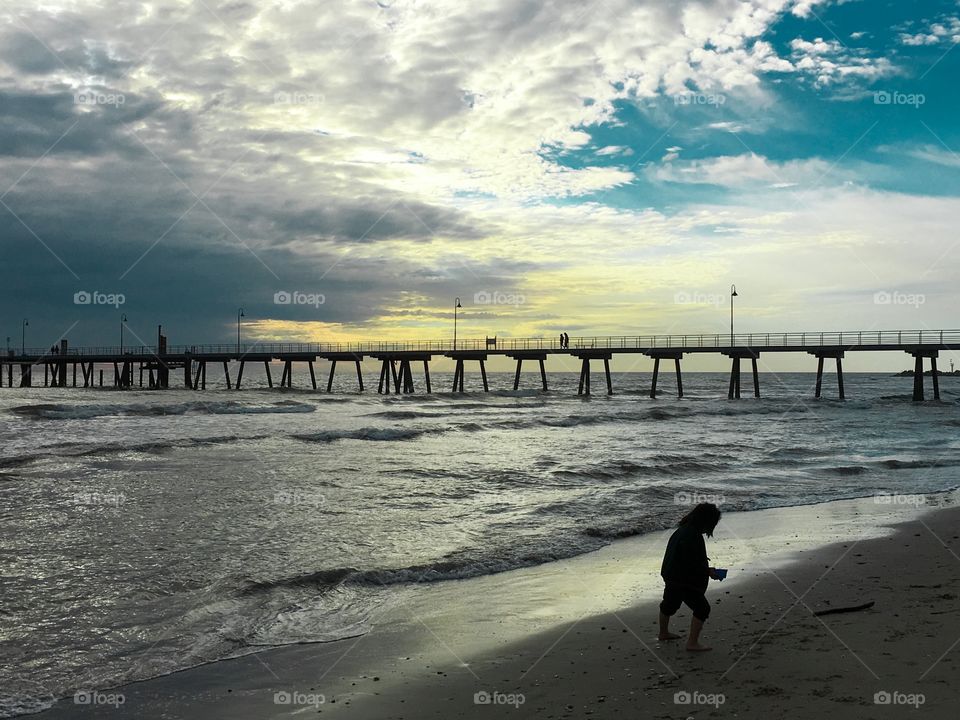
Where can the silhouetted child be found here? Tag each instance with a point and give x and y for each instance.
(686, 572)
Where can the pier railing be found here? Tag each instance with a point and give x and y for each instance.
(720, 341)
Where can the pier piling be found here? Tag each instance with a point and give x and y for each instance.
(333, 368)
(821, 356)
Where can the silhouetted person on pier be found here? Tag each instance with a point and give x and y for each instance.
(561, 341)
(686, 572)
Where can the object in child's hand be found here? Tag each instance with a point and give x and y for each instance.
(719, 573)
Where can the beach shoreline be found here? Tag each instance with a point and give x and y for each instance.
(577, 637)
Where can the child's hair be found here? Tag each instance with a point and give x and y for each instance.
(704, 517)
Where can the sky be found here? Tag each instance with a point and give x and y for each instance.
(345, 170)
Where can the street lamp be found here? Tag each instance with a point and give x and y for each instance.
(733, 294)
(239, 315)
(23, 337)
(457, 305)
(123, 319)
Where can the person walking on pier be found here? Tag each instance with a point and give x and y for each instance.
(686, 573)
(561, 341)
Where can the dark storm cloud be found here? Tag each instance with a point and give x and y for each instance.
(62, 49)
(33, 124)
(193, 193)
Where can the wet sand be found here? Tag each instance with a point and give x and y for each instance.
(577, 638)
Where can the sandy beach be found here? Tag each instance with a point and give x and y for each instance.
(577, 638)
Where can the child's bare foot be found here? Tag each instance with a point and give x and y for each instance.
(668, 636)
(697, 647)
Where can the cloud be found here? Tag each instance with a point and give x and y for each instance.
(927, 153)
(613, 150)
(944, 30)
(828, 62)
(742, 171)
(390, 157)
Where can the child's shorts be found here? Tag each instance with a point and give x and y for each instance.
(674, 595)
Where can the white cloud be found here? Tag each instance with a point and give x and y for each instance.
(829, 62)
(480, 91)
(804, 8)
(928, 153)
(946, 29)
(742, 171)
(727, 126)
(613, 150)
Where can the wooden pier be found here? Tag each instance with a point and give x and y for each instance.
(61, 363)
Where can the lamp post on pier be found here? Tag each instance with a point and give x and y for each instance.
(455, 306)
(733, 294)
(123, 320)
(239, 315)
(23, 337)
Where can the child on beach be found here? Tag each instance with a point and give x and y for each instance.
(686, 572)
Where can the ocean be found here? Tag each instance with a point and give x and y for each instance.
(144, 532)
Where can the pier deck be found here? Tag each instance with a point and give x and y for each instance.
(396, 357)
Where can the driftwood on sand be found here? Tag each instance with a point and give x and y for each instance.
(853, 608)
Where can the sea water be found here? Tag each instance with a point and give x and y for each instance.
(144, 532)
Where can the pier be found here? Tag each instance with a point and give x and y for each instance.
(65, 366)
